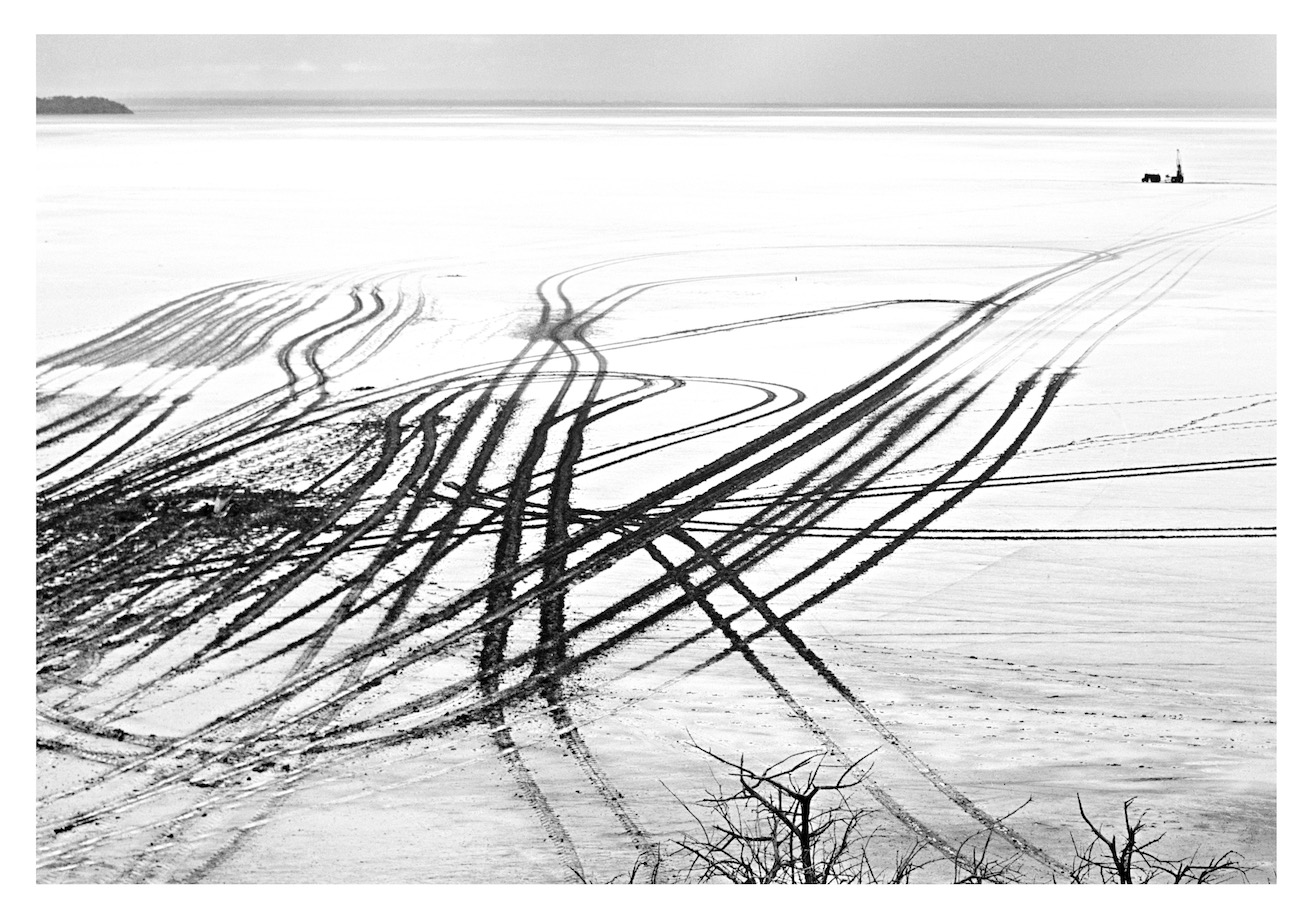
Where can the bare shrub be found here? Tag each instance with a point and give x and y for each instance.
(795, 822)
(1127, 860)
(784, 824)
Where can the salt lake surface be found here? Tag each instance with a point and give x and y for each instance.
(550, 442)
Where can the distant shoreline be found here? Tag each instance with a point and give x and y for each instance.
(80, 105)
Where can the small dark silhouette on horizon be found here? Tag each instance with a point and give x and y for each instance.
(80, 105)
(1177, 179)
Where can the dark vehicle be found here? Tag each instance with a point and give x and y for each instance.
(1151, 176)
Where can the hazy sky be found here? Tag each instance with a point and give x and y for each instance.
(1061, 70)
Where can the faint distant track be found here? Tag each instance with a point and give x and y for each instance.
(147, 325)
(309, 344)
(1124, 534)
(1060, 477)
(119, 448)
(97, 404)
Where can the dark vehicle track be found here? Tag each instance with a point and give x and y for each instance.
(442, 523)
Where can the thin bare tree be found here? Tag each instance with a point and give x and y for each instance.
(1128, 860)
(784, 824)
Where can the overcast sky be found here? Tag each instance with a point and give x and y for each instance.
(1063, 70)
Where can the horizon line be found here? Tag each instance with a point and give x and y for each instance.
(383, 99)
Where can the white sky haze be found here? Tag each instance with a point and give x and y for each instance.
(1042, 70)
